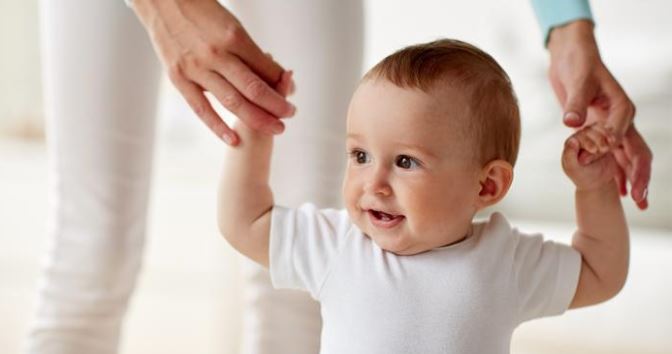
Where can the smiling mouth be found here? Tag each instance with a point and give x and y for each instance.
(384, 220)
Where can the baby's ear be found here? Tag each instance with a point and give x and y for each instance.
(495, 180)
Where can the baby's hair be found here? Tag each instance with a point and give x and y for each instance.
(494, 118)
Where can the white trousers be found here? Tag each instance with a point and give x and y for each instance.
(101, 83)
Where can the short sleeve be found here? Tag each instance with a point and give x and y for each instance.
(546, 275)
(303, 244)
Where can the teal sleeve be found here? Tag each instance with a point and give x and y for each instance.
(553, 13)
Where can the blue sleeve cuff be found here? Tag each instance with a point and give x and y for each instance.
(554, 13)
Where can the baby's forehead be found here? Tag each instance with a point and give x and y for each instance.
(441, 95)
(434, 119)
(442, 105)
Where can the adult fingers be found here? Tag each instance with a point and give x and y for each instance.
(621, 109)
(579, 95)
(253, 88)
(196, 99)
(244, 47)
(624, 168)
(641, 157)
(621, 181)
(253, 116)
(286, 85)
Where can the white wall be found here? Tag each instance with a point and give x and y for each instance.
(20, 96)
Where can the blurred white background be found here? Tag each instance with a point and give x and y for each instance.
(188, 297)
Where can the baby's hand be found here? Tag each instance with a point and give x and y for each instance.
(588, 159)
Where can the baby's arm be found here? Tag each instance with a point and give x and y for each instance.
(602, 234)
(245, 200)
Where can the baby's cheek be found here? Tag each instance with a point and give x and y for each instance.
(350, 196)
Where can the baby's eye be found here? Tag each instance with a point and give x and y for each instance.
(359, 156)
(406, 162)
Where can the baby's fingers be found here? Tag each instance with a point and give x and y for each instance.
(570, 155)
(593, 142)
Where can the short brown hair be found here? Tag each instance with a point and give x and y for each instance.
(493, 108)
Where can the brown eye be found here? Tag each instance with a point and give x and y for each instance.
(359, 156)
(406, 162)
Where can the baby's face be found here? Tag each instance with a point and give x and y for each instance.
(411, 182)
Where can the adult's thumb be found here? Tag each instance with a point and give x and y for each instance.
(575, 108)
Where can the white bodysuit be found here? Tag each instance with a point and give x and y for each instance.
(463, 298)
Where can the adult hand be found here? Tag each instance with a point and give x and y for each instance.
(205, 48)
(588, 92)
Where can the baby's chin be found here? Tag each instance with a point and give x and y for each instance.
(397, 244)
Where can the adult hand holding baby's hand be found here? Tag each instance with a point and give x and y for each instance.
(589, 93)
(588, 158)
(205, 48)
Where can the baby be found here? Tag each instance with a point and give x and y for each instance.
(432, 137)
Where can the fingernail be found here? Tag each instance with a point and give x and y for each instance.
(645, 193)
(227, 138)
(277, 128)
(292, 110)
(571, 117)
(292, 88)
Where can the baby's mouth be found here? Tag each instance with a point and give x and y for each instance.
(385, 220)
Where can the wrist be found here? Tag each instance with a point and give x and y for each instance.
(252, 136)
(144, 9)
(602, 189)
(579, 33)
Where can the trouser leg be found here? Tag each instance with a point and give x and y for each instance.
(101, 82)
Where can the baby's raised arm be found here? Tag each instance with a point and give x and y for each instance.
(602, 233)
(245, 200)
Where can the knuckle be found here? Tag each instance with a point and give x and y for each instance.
(232, 101)
(191, 61)
(255, 89)
(179, 67)
(212, 50)
(199, 109)
(233, 35)
(175, 71)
